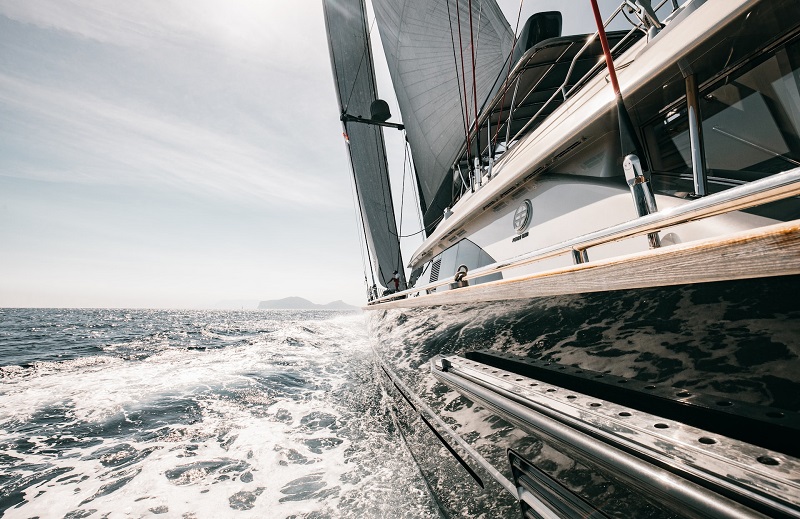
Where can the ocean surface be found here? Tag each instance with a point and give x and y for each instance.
(194, 414)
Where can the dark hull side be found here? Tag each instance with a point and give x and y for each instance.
(733, 341)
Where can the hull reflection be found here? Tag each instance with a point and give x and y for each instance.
(733, 341)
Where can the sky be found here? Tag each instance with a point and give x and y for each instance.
(180, 154)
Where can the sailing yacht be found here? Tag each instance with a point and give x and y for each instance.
(603, 318)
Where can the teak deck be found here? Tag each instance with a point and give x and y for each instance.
(768, 251)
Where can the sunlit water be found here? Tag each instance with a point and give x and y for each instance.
(137, 413)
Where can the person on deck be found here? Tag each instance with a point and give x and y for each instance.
(396, 279)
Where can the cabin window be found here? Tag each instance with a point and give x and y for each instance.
(751, 128)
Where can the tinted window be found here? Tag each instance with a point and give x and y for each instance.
(751, 129)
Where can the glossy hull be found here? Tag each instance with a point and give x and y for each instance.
(734, 345)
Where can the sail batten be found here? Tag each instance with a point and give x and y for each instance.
(354, 77)
(425, 66)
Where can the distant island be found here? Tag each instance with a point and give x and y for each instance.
(298, 303)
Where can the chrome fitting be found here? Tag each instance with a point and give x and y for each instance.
(643, 198)
(461, 273)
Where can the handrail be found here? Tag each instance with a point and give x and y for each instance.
(505, 86)
(566, 94)
(599, 64)
(560, 89)
(762, 191)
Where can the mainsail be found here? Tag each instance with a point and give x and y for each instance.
(354, 75)
(421, 42)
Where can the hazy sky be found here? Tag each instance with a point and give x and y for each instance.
(175, 153)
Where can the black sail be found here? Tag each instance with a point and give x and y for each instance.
(354, 75)
(421, 42)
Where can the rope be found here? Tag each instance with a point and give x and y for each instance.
(431, 226)
(360, 208)
(458, 83)
(407, 160)
(407, 163)
(402, 203)
(361, 243)
(414, 184)
(601, 32)
(389, 206)
(474, 82)
(410, 235)
(464, 82)
(508, 73)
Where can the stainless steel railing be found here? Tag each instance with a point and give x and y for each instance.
(509, 147)
(769, 189)
(566, 94)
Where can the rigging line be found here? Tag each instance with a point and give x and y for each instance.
(402, 200)
(431, 226)
(356, 207)
(384, 179)
(361, 62)
(354, 188)
(464, 83)
(480, 15)
(508, 73)
(360, 207)
(384, 171)
(458, 82)
(385, 182)
(423, 228)
(414, 184)
(410, 235)
(474, 83)
(360, 242)
(403, 191)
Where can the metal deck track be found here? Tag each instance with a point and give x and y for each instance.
(694, 471)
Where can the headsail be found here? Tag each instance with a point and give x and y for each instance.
(351, 59)
(421, 42)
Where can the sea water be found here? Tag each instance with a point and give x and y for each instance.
(193, 414)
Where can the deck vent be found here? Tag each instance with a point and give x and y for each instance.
(542, 496)
(507, 191)
(567, 149)
(519, 193)
(499, 207)
(435, 270)
(531, 175)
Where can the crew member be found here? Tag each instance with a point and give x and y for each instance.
(396, 279)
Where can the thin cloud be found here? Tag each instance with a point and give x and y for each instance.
(278, 31)
(103, 142)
